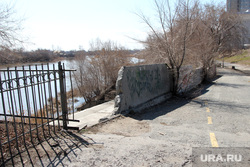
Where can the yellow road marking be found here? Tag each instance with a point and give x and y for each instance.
(213, 140)
(209, 120)
(208, 110)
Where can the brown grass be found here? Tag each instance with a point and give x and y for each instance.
(243, 57)
(24, 141)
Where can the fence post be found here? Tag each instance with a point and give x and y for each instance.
(63, 95)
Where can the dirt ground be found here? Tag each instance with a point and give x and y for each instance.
(12, 143)
(64, 145)
(135, 128)
(136, 140)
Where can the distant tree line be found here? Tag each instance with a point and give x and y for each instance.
(8, 56)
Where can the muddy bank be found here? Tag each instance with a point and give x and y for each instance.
(108, 95)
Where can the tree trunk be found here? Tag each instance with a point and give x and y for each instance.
(176, 75)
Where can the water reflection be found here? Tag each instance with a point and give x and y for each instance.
(30, 96)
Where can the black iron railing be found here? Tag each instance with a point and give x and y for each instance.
(33, 102)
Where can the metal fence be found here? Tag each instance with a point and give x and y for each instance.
(33, 102)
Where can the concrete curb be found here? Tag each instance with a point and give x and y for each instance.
(102, 121)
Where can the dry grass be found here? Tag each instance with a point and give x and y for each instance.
(44, 113)
(24, 141)
(242, 58)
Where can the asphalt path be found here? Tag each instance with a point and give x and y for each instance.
(217, 116)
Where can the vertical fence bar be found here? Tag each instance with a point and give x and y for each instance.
(6, 118)
(63, 95)
(10, 80)
(0, 138)
(43, 107)
(15, 108)
(26, 90)
(65, 91)
(22, 112)
(72, 94)
(51, 98)
(39, 93)
(33, 91)
(57, 107)
(45, 98)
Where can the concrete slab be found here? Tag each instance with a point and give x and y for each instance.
(91, 116)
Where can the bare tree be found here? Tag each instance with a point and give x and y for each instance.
(217, 32)
(97, 73)
(10, 26)
(170, 42)
(190, 33)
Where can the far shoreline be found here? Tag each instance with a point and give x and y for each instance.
(3, 66)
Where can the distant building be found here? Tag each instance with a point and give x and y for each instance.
(242, 7)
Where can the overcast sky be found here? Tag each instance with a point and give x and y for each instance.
(71, 24)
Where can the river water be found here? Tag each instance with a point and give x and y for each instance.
(16, 96)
